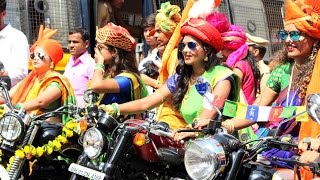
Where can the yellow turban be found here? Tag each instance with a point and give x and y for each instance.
(305, 15)
(168, 17)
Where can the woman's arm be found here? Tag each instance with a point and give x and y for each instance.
(266, 98)
(223, 90)
(239, 73)
(44, 98)
(148, 102)
(100, 85)
(150, 81)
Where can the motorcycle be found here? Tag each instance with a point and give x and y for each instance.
(19, 129)
(219, 155)
(134, 149)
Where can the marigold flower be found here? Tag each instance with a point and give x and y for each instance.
(20, 153)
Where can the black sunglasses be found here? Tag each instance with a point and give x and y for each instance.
(41, 56)
(191, 45)
(294, 35)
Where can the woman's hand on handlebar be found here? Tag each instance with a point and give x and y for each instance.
(178, 136)
(199, 123)
(312, 144)
(309, 157)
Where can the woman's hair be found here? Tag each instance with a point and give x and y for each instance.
(184, 72)
(278, 58)
(253, 64)
(125, 61)
(303, 78)
(149, 21)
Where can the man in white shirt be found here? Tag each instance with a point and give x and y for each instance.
(14, 49)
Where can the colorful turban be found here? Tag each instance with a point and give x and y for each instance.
(235, 40)
(52, 47)
(203, 31)
(116, 36)
(305, 15)
(168, 17)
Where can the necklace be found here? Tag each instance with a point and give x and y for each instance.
(299, 67)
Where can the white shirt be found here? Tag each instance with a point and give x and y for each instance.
(14, 54)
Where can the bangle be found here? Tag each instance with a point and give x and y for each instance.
(100, 65)
(100, 69)
(116, 109)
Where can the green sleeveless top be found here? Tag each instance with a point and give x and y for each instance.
(191, 106)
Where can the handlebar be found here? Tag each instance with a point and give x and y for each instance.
(295, 160)
(153, 127)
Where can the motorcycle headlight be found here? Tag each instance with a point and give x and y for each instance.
(93, 143)
(204, 158)
(11, 127)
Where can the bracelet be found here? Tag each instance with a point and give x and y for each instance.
(100, 65)
(115, 106)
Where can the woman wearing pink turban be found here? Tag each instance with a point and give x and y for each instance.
(235, 50)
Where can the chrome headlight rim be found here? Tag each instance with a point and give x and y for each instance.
(7, 117)
(215, 157)
(100, 138)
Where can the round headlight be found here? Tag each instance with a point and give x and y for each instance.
(11, 126)
(93, 143)
(204, 158)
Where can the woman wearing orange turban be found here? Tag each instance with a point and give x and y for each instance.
(44, 89)
(291, 82)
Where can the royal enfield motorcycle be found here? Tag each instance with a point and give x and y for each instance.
(18, 129)
(134, 149)
(219, 155)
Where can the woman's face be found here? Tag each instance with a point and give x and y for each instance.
(226, 52)
(148, 34)
(106, 53)
(40, 60)
(298, 49)
(192, 50)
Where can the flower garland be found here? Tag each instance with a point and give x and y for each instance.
(28, 151)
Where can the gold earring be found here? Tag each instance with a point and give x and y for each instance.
(51, 66)
(206, 59)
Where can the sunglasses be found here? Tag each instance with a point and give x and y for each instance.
(100, 47)
(294, 35)
(191, 45)
(40, 55)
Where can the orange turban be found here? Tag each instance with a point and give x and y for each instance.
(52, 47)
(305, 15)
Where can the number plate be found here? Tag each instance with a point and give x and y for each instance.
(86, 172)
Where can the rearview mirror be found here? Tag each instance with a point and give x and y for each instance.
(313, 107)
(90, 96)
